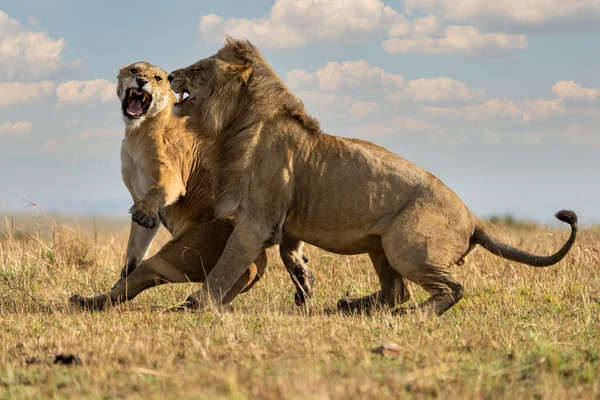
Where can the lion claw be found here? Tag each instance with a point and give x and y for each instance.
(143, 218)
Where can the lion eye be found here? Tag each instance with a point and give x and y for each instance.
(133, 71)
(158, 78)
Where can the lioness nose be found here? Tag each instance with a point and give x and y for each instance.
(170, 78)
(141, 82)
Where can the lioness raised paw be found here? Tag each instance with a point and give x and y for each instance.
(144, 216)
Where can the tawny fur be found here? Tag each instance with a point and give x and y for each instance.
(277, 171)
(163, 169)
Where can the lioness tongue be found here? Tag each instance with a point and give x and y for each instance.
(135, 106)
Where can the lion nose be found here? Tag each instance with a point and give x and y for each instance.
(170, 78)
(141, 82)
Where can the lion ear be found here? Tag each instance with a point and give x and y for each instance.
(237, 57)
(241, 71)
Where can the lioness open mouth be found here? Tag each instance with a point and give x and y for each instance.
(136, 103)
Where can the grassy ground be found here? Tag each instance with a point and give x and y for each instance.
(517, 333)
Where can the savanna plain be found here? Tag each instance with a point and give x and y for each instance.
(519, 331)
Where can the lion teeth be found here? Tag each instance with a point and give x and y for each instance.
(180, 97)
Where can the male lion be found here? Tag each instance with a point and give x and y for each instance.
(162, 166)
(278, 172)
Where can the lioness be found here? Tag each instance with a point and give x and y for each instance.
(277, 171)
(162, 167)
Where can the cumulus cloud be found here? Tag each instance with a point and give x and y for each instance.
(441, 89)
(14, 93)
(369, 130)
(320, 98)
(82, 92)
(456, 40)
(335, 76)
(96, 133)
(573, 91)
(359, 109)
(16, 128)
(27, 54)
(513, 14)
(500, 109)
(293, 23)
(408, 124)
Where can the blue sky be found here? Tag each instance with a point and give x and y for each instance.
(500, 100)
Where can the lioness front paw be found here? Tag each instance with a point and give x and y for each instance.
(144, 216)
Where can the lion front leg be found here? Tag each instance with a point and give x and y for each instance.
(290, 252)
(243, 247)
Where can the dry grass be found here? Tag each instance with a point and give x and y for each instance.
(517, 333)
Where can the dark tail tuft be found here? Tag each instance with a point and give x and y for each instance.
(567, 216)
(511, 253)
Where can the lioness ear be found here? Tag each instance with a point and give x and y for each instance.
(241, 71)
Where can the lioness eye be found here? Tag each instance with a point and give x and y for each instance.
(158, 78)
(133, 71)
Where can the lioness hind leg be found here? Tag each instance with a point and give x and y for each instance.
(172, 264)
(186, 258)
(394, 290)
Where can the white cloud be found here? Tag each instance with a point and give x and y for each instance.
(419, 27)
(96, 133)
(441, 89)
(408, 124)
(320, 98)
(293, 23)
(368, 131)
(359, 109)
(81, 92)
(14, 93)
(456, 40)
(335, 76)
(500, 109)
(511, 13)
(17, 128)
(27, 54)
(572, 91)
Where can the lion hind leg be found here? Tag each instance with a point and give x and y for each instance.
(422, 245)
(444, 291)
(393, 293)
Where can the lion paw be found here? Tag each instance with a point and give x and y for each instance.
(144, 216)
(305, 279)
(86, 303)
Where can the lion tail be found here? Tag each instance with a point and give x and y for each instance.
(503, 250)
